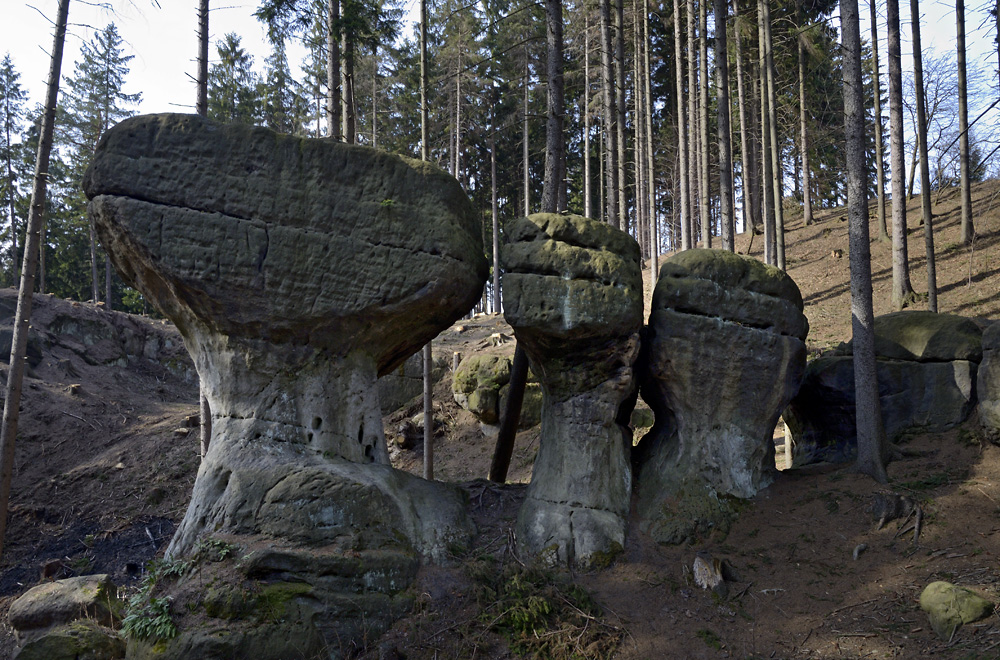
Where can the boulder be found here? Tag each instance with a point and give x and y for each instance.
(297, 272)
(401, 385)
(480, 385)
(92, 597)
(926, 365)
(723, 354)
(573, 295)
(988, 384)
(68, 619)
(949, 606)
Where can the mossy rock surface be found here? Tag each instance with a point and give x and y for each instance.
(949, 606)
(922, 336)
(79, 640)
(86, 597)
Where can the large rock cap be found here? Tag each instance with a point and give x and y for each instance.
(292, 240)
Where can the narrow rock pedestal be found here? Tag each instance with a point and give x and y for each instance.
(573, 295)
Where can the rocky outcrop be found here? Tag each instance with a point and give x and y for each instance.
(399, 386)
(69, 619)
(926, 365)
(480, 385)
(573, 295)
(723, 354)
(297, 271)
(988, 384)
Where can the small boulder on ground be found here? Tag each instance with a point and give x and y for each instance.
(926, 365)
(949, 606)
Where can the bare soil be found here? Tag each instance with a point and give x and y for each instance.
(106, 458)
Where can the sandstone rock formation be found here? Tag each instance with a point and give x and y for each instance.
(297, 271)
(573, 295)
(988, 384)
(480, 385)
(926, 365)
(723, 354)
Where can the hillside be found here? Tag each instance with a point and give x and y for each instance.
(108, 449)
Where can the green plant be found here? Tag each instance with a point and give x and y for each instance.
(710, 638)
(215, 549)
(147, 617)
(388, 203)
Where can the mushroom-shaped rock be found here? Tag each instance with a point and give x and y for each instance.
(573, 295)
(297, 271)
(723, 354)
(926, 365)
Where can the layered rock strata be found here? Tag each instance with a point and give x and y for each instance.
(297, 271)
(926, 364)
(723, 354)
(573, 295)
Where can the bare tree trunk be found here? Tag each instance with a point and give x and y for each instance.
(694, 158)
(913, 169)
(623, 219)
(902, 291)
(725, 150)
(925, 172)
(654, 238)
(587, 207)
(639, 137)
(772, 109)
(883, 230)
(871, 438)
(968, 231)
(427, 351)
(747, 167)
(556, 108)
(704, 175)
(10, 205)
(682, 136)
(807, 212)
(524, 141)
(496, 226)
(610, 113)
(19, 342)
(333, 69)
(770, 241)
(201, 106)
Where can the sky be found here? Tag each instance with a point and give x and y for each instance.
(164, 41)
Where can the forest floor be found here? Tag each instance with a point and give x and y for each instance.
(106, 458)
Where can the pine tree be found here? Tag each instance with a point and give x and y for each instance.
(12, 98)
(232, 84)
(95, 101)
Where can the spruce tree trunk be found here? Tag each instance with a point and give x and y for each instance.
(19, 342)
(525, 154)
(747, 167)
(201, 105)
(776, 175)
(610, 112)
(10, 205)
(623, 219)
(654, 237)
(807, 213)
(587, 207)
(767, 189)
(333, 69)
(871, 440)
(968, 231)
(925, 173)
(427, 353)
(682, 134)
(883, 230)
(725, 151)
(496, 226)
(902, 291)
(704, 175)
(555, 106)
(694, 157)
(349, 108)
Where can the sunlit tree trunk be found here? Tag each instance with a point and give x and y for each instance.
(619, 86)
(767, 189)
(682, 136)
(427, 350)
(968, 231)
(694, 158)
(704, 173)
(610, 112)
(19, 341)
(902, 290)
(555, 107)
(883, 230)
(776, 175)
(925, 172)
(748, 166)
(587, 208)
(333, 69)
(725, 150)
(807, 213)
(871, 438)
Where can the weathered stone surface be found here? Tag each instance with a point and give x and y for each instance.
(723, 354)
(949, 606)
(573, 295)
(92, 597)
(988, 384)
(927, 366)
(79, 640)
(297, 271)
